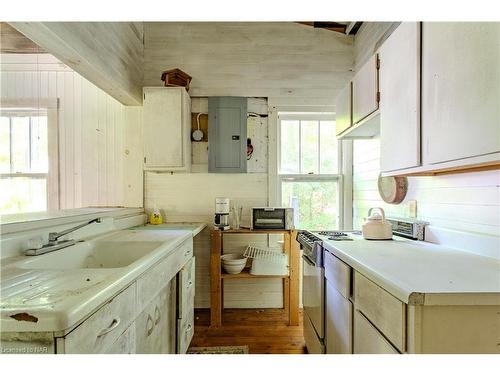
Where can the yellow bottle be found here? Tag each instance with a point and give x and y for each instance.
(155, 217)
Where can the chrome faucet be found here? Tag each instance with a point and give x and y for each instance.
(55, 244)
(54, 236)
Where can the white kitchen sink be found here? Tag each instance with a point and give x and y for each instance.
(97, 254)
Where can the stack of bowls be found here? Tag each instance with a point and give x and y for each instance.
(233, 263)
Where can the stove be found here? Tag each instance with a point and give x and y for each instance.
(337, 235)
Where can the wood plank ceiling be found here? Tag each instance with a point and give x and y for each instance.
(12, 41)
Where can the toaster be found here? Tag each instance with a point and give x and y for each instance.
(272, 218)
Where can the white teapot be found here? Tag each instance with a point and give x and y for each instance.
(376, 227)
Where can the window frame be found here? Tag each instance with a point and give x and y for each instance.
(36, 107)
(314, 177)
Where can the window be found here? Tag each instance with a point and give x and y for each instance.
(309, 173)
(24, 164)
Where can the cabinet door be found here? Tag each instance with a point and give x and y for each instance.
(186, 289)
(154, 327)
(343, 109)
(460, 90)
(125, 344)
(163, 127)
(365, 90)
(338, 322)
(400, 98)
(227, 134)
(367, 339)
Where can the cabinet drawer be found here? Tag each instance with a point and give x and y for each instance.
(125, 344)
(384, 310)
(367, 340)
(157, 278)
(187, 288)
(105, 326)
(338, 274)
(185, 332)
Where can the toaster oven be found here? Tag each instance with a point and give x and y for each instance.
(272, 218)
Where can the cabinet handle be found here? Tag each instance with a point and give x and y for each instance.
(150, 322)
(115, 323)
(190, 283)
(189, 327)
(187, 252)
(157, 315)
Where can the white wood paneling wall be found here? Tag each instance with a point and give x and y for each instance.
(260, 59)
(110, 54)
(186, 197)
(465, 201)
(93, 128)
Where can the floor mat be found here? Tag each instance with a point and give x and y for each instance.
(218, 350)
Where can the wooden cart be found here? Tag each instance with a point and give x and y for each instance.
(290, 281)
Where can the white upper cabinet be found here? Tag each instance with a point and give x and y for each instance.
(343, 109)
(460, 92)
(400, 98)
(167, 129)
(365, 90)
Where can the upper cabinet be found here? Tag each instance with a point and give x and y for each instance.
(357, 104)
(400, 98)
(167, 129)
(227, 134)
(439, 98)
(343, 109)
(460, 91)
(365, 90)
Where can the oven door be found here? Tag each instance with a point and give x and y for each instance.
(313, 295)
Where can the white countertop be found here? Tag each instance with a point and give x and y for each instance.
(422, 273)
(194, 228)
(59, 299)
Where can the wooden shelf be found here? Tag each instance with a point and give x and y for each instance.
(245, 274)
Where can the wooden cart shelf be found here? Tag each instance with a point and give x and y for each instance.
(290, 281)
(245, 274)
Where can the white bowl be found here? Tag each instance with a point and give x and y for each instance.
(233, 268)
(233, 259)
(233, 263)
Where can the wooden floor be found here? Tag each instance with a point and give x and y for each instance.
(263, 330)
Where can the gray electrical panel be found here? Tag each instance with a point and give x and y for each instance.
(227, 134)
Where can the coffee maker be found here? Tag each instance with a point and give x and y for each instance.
(221, 219)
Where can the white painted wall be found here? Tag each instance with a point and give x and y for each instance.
(95, 130)
(465, 201)
(188, 197)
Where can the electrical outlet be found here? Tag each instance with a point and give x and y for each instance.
(412, 208)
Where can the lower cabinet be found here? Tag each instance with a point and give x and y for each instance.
(338, 322)
(185, 306)
(155, 331)
(126, 343)
(367, 339)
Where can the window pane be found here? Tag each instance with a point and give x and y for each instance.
(328, 148)
(39, 152)
(4, 145)
(289, 147)
(23, 194)
(20, 144)
(314, 202)
(309, 146)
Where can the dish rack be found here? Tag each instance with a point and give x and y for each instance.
(267, 261)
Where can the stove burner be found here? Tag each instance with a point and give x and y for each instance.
(332, 233)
